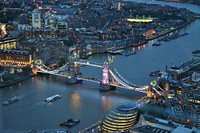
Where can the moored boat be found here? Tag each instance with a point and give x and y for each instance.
(129, 53)
(120, 51)
(183, 34)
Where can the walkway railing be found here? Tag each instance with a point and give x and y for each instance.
(84, 62)
(88, 79)
(93, 128)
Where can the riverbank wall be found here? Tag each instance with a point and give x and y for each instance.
(15, 81)
(172, 30)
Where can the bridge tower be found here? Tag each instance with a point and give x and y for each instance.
(36, 63)
(105, 78)
(73, 71)
(104, 85)
(76, 67)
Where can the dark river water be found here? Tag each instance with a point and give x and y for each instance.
(84, 101)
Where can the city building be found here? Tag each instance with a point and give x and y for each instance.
(191, 96)
(15, 58)
(120, 118)
(196, 117)
(55, 21)
(196, 56)
(182, 85)
(61, 26)
(3, 31)
(8, 43)
(150, 124)
(36, 19)
(119, 6)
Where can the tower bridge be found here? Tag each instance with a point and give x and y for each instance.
(111, 78)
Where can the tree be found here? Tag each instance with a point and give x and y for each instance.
(62, 61)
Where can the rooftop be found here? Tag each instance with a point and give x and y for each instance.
(15, 52)
(160, 126)
(126, 106)
(181, 129)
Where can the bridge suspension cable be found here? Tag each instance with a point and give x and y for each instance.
(50, 72)
(160, 88)
(46, 67)
(129, 83)
(125, 85)
(121, 82)
(63, 66)
(84, 62)
(124, 78)
(53, 71)
(156, 91)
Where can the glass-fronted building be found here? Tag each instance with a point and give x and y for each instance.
(120, 118)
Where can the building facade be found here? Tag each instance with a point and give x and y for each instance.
(10, 43)
(191, 96)
(36, 19)
(120, 118)
(15, 58)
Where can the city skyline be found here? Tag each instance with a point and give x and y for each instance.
(82, 66)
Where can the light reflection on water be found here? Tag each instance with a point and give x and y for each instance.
(106, 103)
(75, 100)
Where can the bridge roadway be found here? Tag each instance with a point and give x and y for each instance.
(88, 79)
(119, 84)
(116, 84)
(93, 64)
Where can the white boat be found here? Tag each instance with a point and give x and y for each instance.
(52, 98)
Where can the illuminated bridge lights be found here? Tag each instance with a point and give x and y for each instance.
(120, 118)
(105, 79)
(108, 77)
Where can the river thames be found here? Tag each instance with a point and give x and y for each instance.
(84, 101)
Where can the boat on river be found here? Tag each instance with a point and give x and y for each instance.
(10, 101)
(52, 98)
(156, 44)
(196, 52)
(70, 122)
(155, 73)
